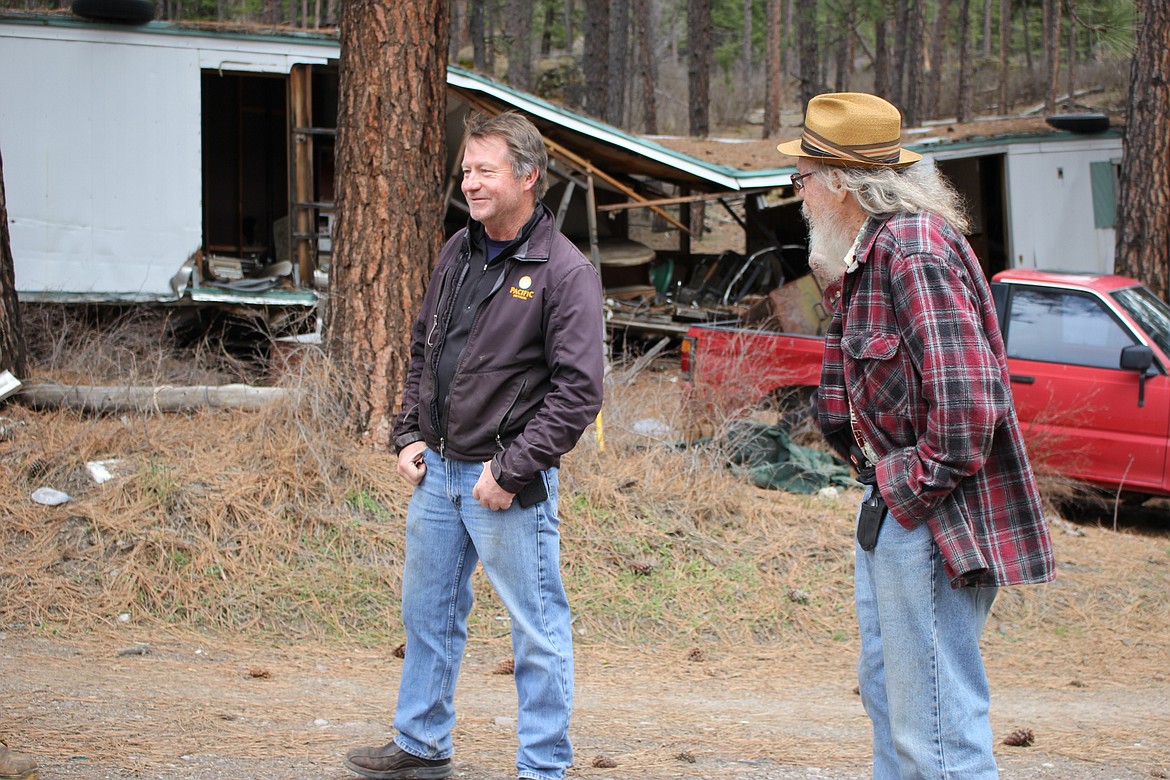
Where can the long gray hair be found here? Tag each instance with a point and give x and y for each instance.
(882, 192)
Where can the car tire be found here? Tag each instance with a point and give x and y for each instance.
(125, 11)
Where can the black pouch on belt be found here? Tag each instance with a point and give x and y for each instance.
(869, 522)
(532, 493)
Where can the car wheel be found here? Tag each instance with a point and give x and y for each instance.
(126, 11)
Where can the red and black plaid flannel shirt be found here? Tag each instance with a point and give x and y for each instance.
(921, 356)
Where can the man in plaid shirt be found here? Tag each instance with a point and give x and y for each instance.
(915, 392)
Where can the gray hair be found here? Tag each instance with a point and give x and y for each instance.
(525, 146)
(882, 192)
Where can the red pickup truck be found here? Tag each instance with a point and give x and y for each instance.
(1089, 358)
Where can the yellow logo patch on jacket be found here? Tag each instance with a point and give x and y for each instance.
(520, 290)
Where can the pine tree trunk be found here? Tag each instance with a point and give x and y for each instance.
(477, 28)
(965, 96)
(392, 110)
(898, 71)
(912, 86)
(881, 60)
(596, 64)
(806, 35)
(938, 54)
(746, 59)
(458, 34)
(12, 351)
(1005, 48)
(1143, 209)
(644, 13)
(619, 42)
(699, 66)
(1051, 53)
(772, 60)
(986, 42)
(519, 24)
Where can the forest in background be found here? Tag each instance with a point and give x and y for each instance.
(695, 67)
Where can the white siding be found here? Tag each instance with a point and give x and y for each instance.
(100, 130)
(1051, 206)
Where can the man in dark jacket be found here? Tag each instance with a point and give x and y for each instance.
(505, 374)
(915, 390)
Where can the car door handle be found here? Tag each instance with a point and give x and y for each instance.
(1023, 380)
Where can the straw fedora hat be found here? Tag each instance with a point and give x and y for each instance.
(852, 129)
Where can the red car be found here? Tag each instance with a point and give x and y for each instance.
(1088, 356)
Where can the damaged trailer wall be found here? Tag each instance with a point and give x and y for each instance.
(101, 134)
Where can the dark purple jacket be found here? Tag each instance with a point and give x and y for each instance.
(529, 380)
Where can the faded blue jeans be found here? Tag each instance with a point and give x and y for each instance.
(922, 678)
(447, 533)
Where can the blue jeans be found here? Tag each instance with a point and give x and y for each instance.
(922, 678)
(447, 533)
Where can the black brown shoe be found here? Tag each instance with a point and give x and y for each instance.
(16, 766)
(391, 762)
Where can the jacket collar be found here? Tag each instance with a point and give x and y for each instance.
(534, 243)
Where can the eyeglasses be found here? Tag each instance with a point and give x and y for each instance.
(798, 180)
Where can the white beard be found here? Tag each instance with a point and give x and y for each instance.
(829, 240)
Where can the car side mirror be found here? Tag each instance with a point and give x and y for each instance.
(1138, 357)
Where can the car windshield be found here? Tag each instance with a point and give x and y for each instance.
(1150, 311)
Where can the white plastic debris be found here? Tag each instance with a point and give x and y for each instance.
(49, 496)
(100, 470)
(655, 429)
(8, 384)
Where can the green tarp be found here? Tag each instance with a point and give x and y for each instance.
(769, 458)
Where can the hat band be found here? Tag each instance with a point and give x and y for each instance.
(817, 145)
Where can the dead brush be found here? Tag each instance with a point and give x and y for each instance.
(664, 546)
(270, 521)
(134, 345)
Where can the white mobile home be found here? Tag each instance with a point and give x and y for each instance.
(128, 154)
(1039, 200)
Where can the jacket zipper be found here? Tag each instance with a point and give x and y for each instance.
(438, 420)
(508, 413)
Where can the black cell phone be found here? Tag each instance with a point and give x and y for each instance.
(533, 493)
(869, 521)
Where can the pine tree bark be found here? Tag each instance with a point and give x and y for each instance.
(619, 44)
(809, 51)
(1005, 48)
(1143, 209)
(519, 26)
(699, 66)
(644, 16)
(882, 85)
(938, 56)
(966, 90)
(477, 29)
(1052, 48)
(746, 57)
(392, 110)
(772, 60)
(596, 63)
(912, 85)
(13, 356)
(898, 71)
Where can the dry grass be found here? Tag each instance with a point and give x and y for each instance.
(276, 525)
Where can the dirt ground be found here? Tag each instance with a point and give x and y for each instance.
(129, 704)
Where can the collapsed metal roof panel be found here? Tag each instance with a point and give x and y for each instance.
(603, 145)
